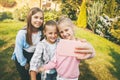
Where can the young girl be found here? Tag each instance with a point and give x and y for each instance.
(45, 51)
(26, 41)
(67, 66)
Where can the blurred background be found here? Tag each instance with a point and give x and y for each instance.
(98, 21)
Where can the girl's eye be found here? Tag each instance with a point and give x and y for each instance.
(66, 29)
(50, 33)
(41, 18)
(56, 33)
(61, 32)
(36, 17)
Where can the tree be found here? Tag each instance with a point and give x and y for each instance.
(82, 18)
(70, 8)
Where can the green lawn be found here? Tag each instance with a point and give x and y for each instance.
(104, 66)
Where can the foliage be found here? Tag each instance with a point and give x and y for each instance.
(8, 20)
(108, 28)
(102, 19)
(70, 7)
(82, 17)
(94, 10)
(21, 13)
(8, 3)
(5, 15)
(111, 8)
(51, 15)
(115, 32)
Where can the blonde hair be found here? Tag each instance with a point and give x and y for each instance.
(65, 21)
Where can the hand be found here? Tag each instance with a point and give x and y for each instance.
(27, 66)
(41, 69)
(83, 56)
(83, 47)
(82, 50)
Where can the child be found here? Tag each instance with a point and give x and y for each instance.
(45, 51)
(26, 41)
(68, 66)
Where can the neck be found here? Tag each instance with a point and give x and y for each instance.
(35, 30)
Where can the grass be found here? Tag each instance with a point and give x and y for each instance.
(104, 66)
(8, 32)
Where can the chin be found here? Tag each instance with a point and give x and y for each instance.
(53, 41)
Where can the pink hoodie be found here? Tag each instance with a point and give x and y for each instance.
(66, 66)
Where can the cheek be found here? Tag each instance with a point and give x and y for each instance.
(32, 21)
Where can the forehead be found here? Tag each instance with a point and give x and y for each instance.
(64, 27)
(50, 27)
(38, 14)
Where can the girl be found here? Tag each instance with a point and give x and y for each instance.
(26, 41)
(45, 51)
(67, 66)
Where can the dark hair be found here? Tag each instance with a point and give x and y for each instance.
(30, 26)
(50, 22)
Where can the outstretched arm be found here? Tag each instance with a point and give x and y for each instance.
(84, 50)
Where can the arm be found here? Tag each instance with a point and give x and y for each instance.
(85, 50)
(51, 64)
(33, 75)
(20, 39)
(36, 61)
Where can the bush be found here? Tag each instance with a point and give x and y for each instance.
(21, 13)
(51, 15)
(115, 32)
(8, 20)
(5, 15)
(8, 3)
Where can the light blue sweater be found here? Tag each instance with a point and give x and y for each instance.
(21, 44)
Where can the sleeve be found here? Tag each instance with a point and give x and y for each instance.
(45, 56)
(19, 48)
(36, 61)
(51, 64)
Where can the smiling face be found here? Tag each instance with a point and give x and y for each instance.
(37, 19)
(51, 33)
(66, 32)
(66, 28)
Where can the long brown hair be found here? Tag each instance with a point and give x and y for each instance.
(30, 26)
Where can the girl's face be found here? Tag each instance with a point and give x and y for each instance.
(66, 32)
(37, 19)
(51, 33)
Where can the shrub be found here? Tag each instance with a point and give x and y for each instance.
(8, 3)
(8, 20)
(51, 15)
(21, 13)
(5, 15)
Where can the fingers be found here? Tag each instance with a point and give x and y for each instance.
(83, 51)
(27, 66)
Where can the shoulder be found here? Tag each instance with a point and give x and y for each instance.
(21, 34)
(40, 44)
